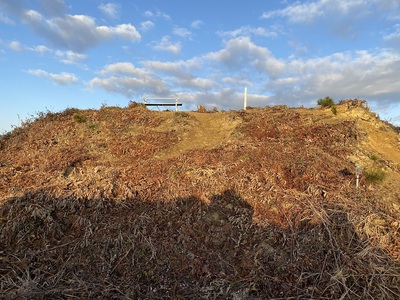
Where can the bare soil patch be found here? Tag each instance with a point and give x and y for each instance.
(200, 131)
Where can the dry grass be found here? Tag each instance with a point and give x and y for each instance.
(90, 210)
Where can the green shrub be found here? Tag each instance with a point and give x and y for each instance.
(374, 175)
(334, 110)
(70, 111)
(373, 157)
(326, 102)
(79, 118)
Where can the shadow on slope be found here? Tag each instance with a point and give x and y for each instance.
(57, 248)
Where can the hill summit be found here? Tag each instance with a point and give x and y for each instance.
(130, 203)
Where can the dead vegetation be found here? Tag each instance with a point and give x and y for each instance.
(94, 209)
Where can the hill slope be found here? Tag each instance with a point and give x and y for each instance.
(137, 204)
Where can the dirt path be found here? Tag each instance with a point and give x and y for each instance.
(206, 131)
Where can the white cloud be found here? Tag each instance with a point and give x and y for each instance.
(166, 45)
(124, 78)
(196, 24)
(62, 30)
(70, 57)
(334, 10)
(197, 83)
(32, 16)
(148, 14)
(18, 47)
(156, 14)
(361, 74)
(125, 31)
(60, 79)
(236, 81)
(183, 69)
(111, 10)
(182, 32)
(247, 31)
(40, 49)
(6, 20)
(204, 76)
(242, 52)
(124, 68)
(308, 12)
(146, 26)
(182, 74)
(15, 46)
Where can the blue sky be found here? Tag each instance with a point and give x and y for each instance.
(57, 54)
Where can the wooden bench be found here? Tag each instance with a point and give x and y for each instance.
(176, 104)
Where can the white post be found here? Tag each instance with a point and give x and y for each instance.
(357, 179)
(245, 98)
(358, 172)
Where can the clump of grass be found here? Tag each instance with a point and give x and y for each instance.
(373, 157)
(374, 175)
(133, 104)
(79, 118)
(182, 115)
(182, 118)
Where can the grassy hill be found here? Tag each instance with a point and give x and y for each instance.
(128, 203)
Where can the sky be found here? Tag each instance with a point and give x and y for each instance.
(59, 54)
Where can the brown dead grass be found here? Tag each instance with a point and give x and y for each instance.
(137, 204)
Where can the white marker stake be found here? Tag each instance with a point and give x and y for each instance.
(358, 172)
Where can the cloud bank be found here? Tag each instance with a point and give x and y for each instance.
(61, 30)
(59, 79)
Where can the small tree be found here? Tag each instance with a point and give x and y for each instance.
(326, 102)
